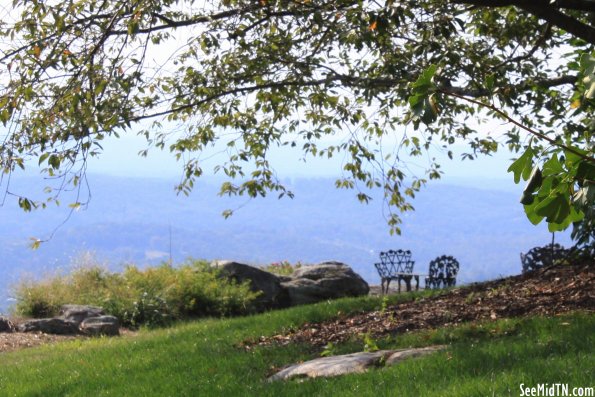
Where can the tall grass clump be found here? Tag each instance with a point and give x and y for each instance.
(282, 268)
(153, 296)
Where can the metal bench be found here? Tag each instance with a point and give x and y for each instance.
(396, 265)
(547, 255)
(442, 272)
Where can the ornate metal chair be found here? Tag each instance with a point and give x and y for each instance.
(396, 265)
(547, 255)
(442, 272)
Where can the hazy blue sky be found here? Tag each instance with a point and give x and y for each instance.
(120, 158)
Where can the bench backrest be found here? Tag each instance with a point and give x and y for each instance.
(398, 261)
(443, 270)
(543, 256)
(383, 270)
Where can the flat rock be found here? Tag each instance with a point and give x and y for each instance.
(57, 326)
(351, 363)
(78, 313)
(404, 354)
(102, 325)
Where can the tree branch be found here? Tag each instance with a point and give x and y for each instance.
(479, 92)
(239, 90)
(353, 82)
(223, 15)
(538, 43)
(557, 18)
(520, 125)
(577, 5)
(550, 12)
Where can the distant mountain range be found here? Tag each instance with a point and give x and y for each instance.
(133, 219)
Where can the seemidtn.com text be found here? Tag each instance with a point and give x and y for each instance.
(555, 390)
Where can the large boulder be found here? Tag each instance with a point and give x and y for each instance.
(102, 325)
(327, 280)
(272, 294)
(58, 326)
(6, 325)
(78, 313)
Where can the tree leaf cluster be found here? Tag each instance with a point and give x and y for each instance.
(330, 78)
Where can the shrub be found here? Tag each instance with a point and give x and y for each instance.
(149, 310)
(153, 296)
(283, 268)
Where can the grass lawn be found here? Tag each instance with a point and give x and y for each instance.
(202, 358)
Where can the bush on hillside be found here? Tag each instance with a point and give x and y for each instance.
(154, 296)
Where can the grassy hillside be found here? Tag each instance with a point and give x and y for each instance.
(210, 358)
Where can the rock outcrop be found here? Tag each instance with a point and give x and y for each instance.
(75, 319)
(327, 280)
(308, 284)
(272, 295)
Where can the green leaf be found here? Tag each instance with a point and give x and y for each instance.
(585, 171)
(423, 101)
(554, 208)
(553, 166)
(424, 82)
(43, 157)
(54, 161)
(531, 215)
(489, 82)
(25, 204)
(572, 158)
(574, 216)
(523, 165)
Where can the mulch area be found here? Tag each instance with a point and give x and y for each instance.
(548, 291)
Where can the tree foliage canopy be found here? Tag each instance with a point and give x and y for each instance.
(256, 74)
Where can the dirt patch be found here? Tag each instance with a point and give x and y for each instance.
(21, 340)
(548, 291)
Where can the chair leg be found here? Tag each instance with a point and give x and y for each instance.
(407, 283)
(429, 283)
